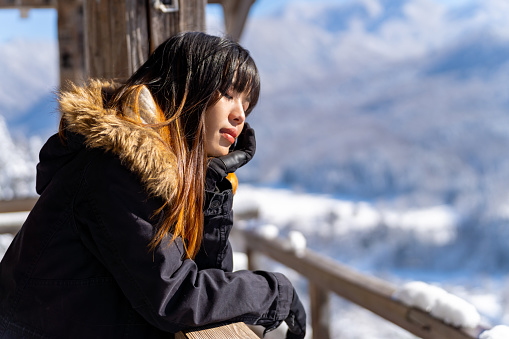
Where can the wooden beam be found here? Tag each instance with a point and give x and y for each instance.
(231, 331)
(235, 16)
(46, 3)
(17, 205)
(366, 291)
(71, 41)
(28, 3)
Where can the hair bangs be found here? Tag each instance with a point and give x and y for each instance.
(247, 80)
(241, 75)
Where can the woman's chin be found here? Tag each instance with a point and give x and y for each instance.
(218, 152)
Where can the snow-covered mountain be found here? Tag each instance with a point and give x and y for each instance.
(401, 103)
(382, 101)
(28, 80)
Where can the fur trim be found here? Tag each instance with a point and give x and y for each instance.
(139, 148)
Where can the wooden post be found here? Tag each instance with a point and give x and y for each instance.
(190, 17)
(251, 259)
(320, 311)
(137, 36)
(235, 16)
(71, 41)
(120, 34)
(115, 37)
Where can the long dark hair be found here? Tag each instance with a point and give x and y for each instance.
(186, 74)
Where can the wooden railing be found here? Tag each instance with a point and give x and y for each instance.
(17, 212)
(231, 331)
(18, 205)
(326, 275)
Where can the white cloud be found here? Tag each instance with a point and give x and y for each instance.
(374, 8)
(29, 71)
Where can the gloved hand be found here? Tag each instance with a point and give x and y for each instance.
(218, 168)
(296, 319)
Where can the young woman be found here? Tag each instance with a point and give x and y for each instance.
(129, 238)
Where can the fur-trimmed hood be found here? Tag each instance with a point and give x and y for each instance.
(140, 148)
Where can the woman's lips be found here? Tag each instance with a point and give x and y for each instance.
(229, 134)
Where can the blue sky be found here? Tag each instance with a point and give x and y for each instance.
(42, 23)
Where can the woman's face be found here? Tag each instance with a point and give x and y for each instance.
(223, 122)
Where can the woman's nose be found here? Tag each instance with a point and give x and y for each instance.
(238, 114)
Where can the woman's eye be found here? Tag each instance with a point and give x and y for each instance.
(228, 96)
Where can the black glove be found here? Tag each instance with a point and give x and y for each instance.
(296, 319)
(244, 150)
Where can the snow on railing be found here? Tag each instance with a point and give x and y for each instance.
(436, 301)
(421, 309)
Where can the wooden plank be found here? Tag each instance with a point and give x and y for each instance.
(71, 42)
(17, 205)
(12, 222)
(28, 3)
(320, 311)
(43, 3)
(231, 331)
(366, 291)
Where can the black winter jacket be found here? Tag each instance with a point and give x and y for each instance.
(80, 266)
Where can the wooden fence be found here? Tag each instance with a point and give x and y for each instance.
(325, 276)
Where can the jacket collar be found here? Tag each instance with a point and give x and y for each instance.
(140, 148)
